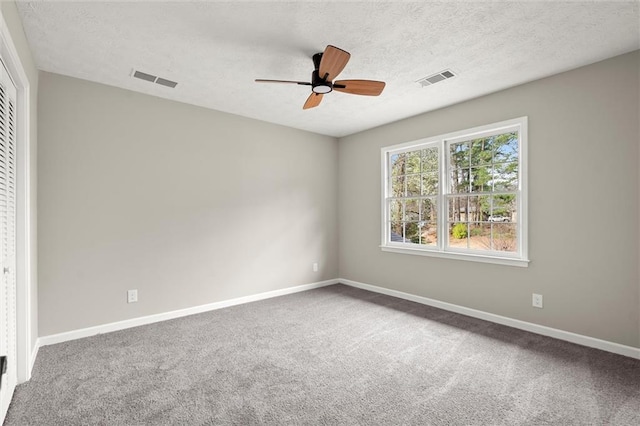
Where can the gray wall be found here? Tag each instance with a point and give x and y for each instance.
(14, 24)
(187, 205)
(192, 206)
(583, 206)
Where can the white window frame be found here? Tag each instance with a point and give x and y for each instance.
(517, 258)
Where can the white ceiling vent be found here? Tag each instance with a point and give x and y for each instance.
(153, 79)
(433, 79)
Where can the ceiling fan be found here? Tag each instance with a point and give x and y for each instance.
(327, 66)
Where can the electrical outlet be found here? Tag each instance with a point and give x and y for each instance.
(315, 267)
(536, 300)
(132, 296)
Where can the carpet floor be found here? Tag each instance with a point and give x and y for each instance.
(334, 355)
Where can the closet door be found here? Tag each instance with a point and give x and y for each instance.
(8, 339)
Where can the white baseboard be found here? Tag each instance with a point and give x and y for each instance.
(522, 325)
(135, 322)
(34, 354)
(579, 339)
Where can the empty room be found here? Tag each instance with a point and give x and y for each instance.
(320, 212)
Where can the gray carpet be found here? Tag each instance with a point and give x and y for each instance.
(335, 355)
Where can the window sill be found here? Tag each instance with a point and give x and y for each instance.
(509, 261)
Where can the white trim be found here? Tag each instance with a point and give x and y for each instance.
(432, 142)
(568, 336)
(482, 131)
(34, 354)
(16, 71)
(135, 322)
(404, 249)
(523, 185)
(384, 157)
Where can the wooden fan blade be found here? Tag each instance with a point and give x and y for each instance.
(333, 62)
(313, 100)
(359, 87)
(261, 80)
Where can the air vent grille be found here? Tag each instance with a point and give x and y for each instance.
(435, 78)
(167, 83)
(144, 76)
(153, 79)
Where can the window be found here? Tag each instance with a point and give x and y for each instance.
(460, 195)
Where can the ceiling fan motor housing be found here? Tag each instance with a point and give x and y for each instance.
(320, 85)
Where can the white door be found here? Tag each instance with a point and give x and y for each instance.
(8, 339)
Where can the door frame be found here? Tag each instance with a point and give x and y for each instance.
(24, 214)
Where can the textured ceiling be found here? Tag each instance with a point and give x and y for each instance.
(215, 50)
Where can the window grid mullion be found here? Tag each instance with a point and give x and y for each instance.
(443, 190)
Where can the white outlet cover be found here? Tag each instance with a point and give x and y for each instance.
(536, 300)
(132, 296)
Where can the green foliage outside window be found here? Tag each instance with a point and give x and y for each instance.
(459, 231)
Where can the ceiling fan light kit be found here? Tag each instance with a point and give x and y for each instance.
(327, 66)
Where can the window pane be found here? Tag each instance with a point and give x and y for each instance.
(505, 177)
(459, 155)
(505, 147)
(396, 230)
(412, 210)
(458, 209)
(412, 232)
(505, 237)
(397, 164)
(413, 161)
(503, 208)
(479, 208)
(395, 210)
(429, 221)
(429, 234)
(459, 181)
(459, 235)
(428, 210)
(397, 186)
(480, 236)
(480, 179)
(430, 160)
(430, 184)
(413, 185)
(481, 151)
